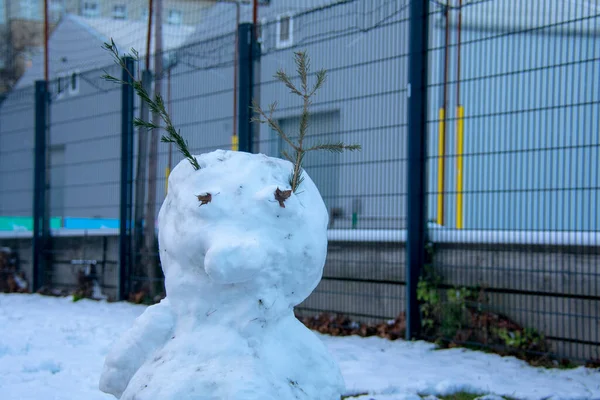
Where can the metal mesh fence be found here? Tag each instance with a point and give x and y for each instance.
(83, 181)
(17, 140)
(512, 157)
(513, 176)
(16, 181)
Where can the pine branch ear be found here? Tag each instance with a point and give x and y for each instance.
(156, 105)
(302, 62)
(321, 77)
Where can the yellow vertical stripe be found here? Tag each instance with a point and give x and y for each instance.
(167, 173)
(460, 112)
(235, 144)
(441, 156)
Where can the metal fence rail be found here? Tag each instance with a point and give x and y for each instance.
(479, 125)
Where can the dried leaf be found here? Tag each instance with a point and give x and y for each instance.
(204, 198)
(282, 195)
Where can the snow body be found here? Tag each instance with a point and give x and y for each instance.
(234, 269)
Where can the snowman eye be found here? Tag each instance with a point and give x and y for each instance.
(204, 198)
(281, 196)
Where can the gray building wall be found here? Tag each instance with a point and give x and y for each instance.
(83, 139)
(16, 153)
(529, 89)
(86, 128)
(83, 150)
(366, 89)
(84, 135)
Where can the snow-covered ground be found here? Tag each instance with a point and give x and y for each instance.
(53, 348)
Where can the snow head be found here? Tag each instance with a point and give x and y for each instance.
(236, 260)
(227, 243)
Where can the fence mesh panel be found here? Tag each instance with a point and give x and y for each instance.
(512, 157)
(16, 182)
(513, 176)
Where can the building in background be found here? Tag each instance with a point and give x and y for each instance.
(176, 12)
(21, 37)
(83, 149)
(188, 12)
(529, 79)
(21, 25)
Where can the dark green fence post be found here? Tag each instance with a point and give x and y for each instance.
(417, 135)
(40, 213)
(245, 78)
(125, 208)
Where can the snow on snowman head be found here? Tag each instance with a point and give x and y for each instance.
(224, 226)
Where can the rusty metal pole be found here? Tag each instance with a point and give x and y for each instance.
(150, 245)
(46, 38)
(149, 35)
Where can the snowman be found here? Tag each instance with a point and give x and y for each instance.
(239, 250)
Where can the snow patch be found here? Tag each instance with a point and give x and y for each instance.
(38, 334)
(47, 365)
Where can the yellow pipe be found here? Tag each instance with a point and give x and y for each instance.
(460, 112)
(167, 173)
(235, 145)
(441, 154)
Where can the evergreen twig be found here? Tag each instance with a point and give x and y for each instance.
(302, 67)
(156, 105)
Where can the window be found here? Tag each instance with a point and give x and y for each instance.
(285, 30)
(90, 9)
(119, 11)
(260, 30)
(74, 83)
(144, 16)
(175, 17)
(61, 85)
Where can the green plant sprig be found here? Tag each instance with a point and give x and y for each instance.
(156, 105)
(302, 67)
